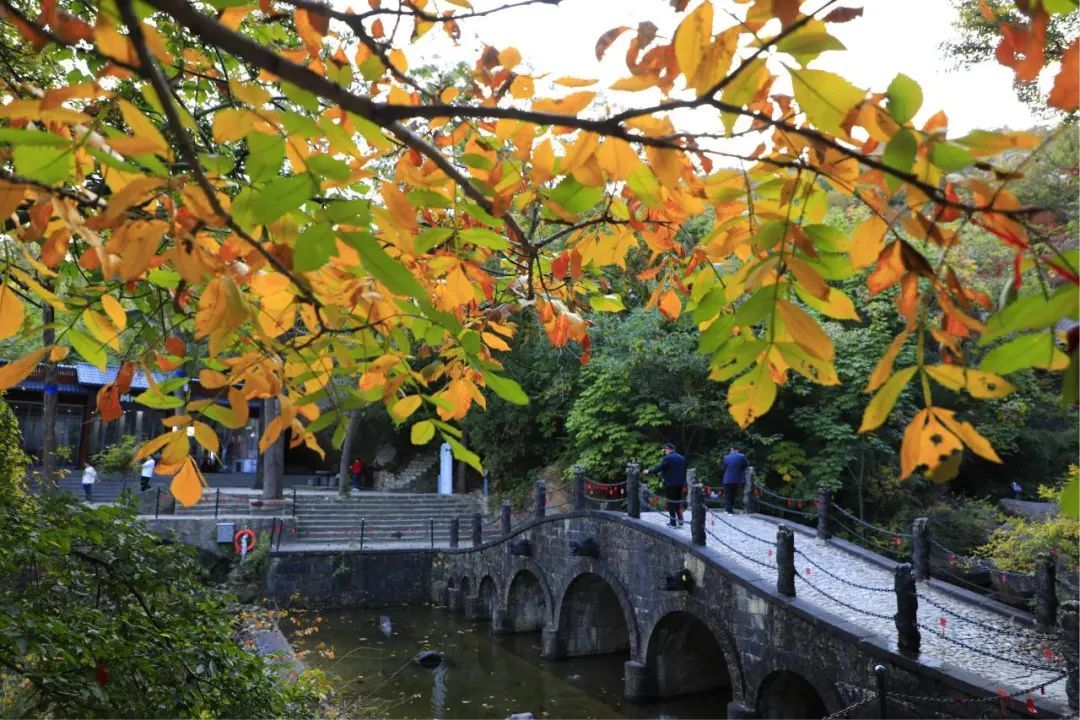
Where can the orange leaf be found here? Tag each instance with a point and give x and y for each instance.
(607, 38)
(890, 268)
(15, 372)
(108, 403)
(670, 305)
(1065, 95)
(12, 312)
(187, 485)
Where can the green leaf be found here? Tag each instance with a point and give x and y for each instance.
(905, 98)
(1070, 497)
(216, 164)
(91, 350)
(323, 421)
(827, 238)
(282, 195)
(825, 97)
(422, 432)
(350, 212)
(431, 237)
(314, 247)
(265, 155)
(421, 199)
(950, 157)
(607, 303)
(1030, 313)
(1033, 350)
(506, 388)
(464, 454)
(158, 401)
(325, 166)
(481, 214)
(808, 43)
(643, 183)
(479, 162)
(44, 163)
(163, 278)
(900, 156)
(471, 341)
(301, 97)
(485, 238)
(19, 136)
(734, 357)
(573, 197)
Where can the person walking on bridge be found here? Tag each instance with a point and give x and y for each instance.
(735, 466)
(673, 470)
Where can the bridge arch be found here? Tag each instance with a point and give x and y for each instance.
(787, 694)
(488, 594)
(527, 601)
(687, 649)
(593, 614)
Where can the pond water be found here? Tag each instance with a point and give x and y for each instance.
(483, 675)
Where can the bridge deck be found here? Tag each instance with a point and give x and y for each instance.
(981, 641)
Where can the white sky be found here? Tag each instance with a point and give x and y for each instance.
(892, 36)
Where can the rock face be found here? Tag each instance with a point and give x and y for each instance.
(1027, 509)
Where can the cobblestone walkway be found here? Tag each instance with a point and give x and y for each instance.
(953, 630)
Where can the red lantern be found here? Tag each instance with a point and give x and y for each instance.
(101, 673)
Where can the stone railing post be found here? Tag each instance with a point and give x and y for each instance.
(539, 500)
(908, 638)
(749, 497)
(579, 487)
(1069, 622)
(504, 516)
(920, 548)
(785, 561)
(633, 490)
(824, 503)
(697, 514)
(1045, 592)
(477, 530)
(455, 531)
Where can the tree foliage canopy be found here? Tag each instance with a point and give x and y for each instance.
(265, 196)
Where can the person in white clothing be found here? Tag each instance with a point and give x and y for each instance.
(147, 474)
(89, 477)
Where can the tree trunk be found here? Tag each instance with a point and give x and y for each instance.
(274, 460)
(462, 468)
(260, 458)
(48, 415)
(344, 476)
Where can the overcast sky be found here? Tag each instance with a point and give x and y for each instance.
(891, 36)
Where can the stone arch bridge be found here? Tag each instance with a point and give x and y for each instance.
(688, 617)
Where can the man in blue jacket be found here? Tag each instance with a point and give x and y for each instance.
(735, 464)
(673, 470)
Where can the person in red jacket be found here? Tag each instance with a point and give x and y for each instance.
(357, 470)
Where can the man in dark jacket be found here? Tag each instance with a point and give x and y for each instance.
(673, 470)
(735, 465)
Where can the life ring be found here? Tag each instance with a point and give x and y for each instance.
(238, 538)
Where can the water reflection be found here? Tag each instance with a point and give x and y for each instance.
(481, 675)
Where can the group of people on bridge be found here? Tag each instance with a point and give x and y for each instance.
(672, 470)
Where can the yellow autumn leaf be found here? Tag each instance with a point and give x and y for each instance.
(12, 312)
(805, 331)
(115, 311)
(691, 37)
(495, 342)
(751, 395)
(572, 104)
(206, 437)
(879, 407)
(884, 368)
(826, 98)
(142, 128)
(16, 371)
(968, 434)
(212, 379)
(808, 277)
(406, 406)
(670, 305)
(867, 242)
(422, 432)
(187, 485)
(978, 383)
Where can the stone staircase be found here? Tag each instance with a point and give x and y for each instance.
(419, 475)
(387, 518)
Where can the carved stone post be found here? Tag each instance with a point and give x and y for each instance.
(908, 638)
(1069, 621)
(579, 488)
(824, 501)
(749, 498)
(633, 490)
(504, 516)
(785, 561)
(539, 500)
(477, 530)
(697, 514)
(455, 530)
(1045, 592)
(920, 548)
